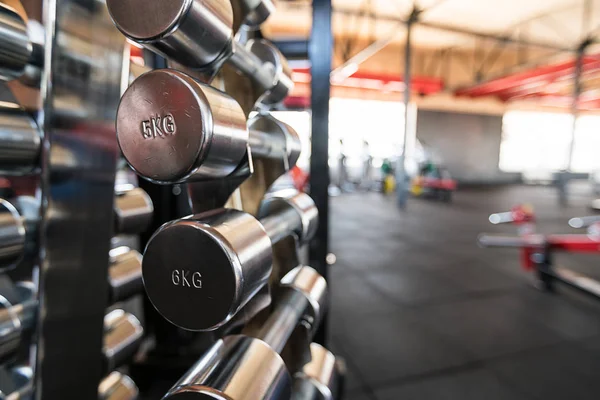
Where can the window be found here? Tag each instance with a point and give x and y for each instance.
(540, 142)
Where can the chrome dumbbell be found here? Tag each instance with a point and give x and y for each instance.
(584, 222)
(16, 383)
(273, 139)
(295, 204)
(172, 128)
(257, 11)
(492, 240)
(12, 235)
(20, 57)
(117, 386)
(243, 368)
(591, 222)
(20, 139)
(217, 261)
(133, 210)
(321, 378)
(16, 318)
(19, 220)
(124, 273)
(123, 334)
(199, 35)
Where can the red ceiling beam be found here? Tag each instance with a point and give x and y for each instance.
(589, 102)
(377, 81)
(531, 80)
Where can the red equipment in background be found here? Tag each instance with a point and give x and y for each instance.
(437, 183)
(537, 249)
(433, 181)
(300, 178)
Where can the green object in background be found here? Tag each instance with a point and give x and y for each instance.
(386, 167)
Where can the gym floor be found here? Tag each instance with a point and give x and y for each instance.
(420, 312)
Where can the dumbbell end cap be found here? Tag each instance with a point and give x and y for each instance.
(196, 393)
(260, 14)
(311, 284)
(301, 202)
(161, 126)
(145, 20)
(324, 373)
(191, 276)
(576, 223)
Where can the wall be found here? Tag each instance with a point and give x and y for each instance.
(467, 144)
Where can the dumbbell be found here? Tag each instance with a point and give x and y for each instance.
(246, 368)
(257, 11)
(12, 235)
(16, 383)
(172, 128)
(584, 222)
(487, 240)
(117, 386)
(289, 201)
(592, 223)
(124, 273)
(15, 319)
(20, 139)
(133, 210)
(321, 378)
(199, 271)
(20, 57)
(123, 334)
(519, 214)
(199, 35)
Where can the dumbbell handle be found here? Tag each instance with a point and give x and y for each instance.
(262, 74)
(486, 240)
(117, 386)
(13, 320)
(133, 210)
(266, 146)
(124, 274)
(12, 235)
(123, 334)
(281, 224)
(23, 312)
(583, 222)
(283, 321)
(15, 47)
(501, 218)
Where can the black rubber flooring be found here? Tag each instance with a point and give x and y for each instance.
(420, 312)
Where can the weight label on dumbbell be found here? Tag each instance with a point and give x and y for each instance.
(185, 278)
(159, 127)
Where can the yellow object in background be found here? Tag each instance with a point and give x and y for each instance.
(416, 189)
(389, 184)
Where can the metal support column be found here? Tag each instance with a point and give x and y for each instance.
(577, 87)
(401, 175)
(563, 178)
(80, 88)
(293, 49)
(576, 94)
(320, 54)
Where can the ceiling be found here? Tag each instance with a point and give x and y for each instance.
(555, 22)
(561, 24)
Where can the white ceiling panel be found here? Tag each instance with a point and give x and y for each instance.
(559, 22)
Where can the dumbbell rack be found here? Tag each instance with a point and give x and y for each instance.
(65, 67)
(71, 214)
(72, 217)
(177, 146)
